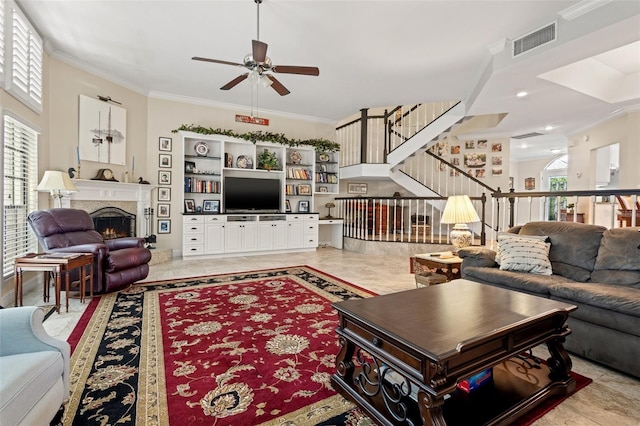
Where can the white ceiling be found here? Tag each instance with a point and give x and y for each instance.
(370, 54)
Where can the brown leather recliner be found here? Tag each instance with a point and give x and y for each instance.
(118, 263)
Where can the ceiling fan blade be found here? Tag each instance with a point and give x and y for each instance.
(235, 81)
(217, 61)
(278, 87)
(291, 69)
(259, 50)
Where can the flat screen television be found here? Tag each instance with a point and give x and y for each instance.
(243, 194)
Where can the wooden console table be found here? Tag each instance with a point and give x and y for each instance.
(54, 265)
(401, 354)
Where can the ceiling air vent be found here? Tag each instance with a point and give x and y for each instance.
(527, 135)
(534, 39)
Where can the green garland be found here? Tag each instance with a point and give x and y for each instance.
(320, 145)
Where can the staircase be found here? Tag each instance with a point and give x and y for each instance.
(402, 144)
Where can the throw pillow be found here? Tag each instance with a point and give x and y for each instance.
(524, 255)
(512, 235)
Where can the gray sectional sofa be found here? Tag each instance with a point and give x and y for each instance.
(594, 268)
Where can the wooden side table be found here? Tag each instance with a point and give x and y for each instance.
(55, 264)
(441, 263)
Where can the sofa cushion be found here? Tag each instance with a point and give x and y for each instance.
(618, 260)
(521, 281)
(524, 255)
(613, 297)
(574, 246)
(24, 379)
(509, 234)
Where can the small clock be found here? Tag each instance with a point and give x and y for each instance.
(105, 174)
(201, 148)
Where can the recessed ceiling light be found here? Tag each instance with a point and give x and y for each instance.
(524, 145)
(521, 94)
(548, 128)
(556, 150)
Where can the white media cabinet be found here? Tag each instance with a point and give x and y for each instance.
(212, 231)
(226, 235)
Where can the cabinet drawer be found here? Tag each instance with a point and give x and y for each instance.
(192, 219)
(193, 228)
(311, 218)
(215, 219)
(295, 218)
(311, 240)
(194, 239)
(193, 250)
(310, 228)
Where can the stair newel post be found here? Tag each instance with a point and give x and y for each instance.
(387, 136)
(483, 222)
(512, 202)
(364, 124)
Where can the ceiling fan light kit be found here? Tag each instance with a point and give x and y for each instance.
(259, 64)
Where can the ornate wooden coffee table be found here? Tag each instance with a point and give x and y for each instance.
(402, 354)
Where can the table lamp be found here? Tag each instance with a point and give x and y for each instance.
(329, 206)
(459, 211)
(55, 182)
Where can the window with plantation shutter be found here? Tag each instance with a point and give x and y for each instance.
(24, 65)
(2, 43)
(20, 196)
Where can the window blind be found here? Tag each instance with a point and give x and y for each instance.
(24, 76)
(20, 196)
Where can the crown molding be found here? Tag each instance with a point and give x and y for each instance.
(241, 108)
(581, 8)
(615, 114)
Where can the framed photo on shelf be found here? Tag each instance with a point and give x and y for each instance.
(287, 206)
(164, 210)
(164, 177)
(164, 194)
(189, 166)
(190, 206)
(303, 207)
(164, 144)
(164, 226)
(323, 189)
(211, 206)
(164, 161)
(357, 188)
(304, 189)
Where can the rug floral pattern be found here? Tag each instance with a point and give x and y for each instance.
(253, 348)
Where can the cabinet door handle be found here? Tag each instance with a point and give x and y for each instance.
(194, 239)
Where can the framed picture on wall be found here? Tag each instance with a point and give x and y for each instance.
(164, 161)
(357, 188)
(164, 226)
(164, 144)
(164, 210)
(164, 177)
(164, 194)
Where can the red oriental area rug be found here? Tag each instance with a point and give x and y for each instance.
(236, 349)
(241, 349)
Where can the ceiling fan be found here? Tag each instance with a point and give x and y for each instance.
(259, 65)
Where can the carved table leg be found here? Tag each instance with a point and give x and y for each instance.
(431, 409)
(559, 363)
(344, 360)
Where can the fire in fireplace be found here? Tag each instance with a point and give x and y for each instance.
(112, 222)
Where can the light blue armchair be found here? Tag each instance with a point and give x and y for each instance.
(34, 369)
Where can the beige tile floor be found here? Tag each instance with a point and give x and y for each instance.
(612, 398)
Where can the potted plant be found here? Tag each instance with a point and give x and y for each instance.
(267, 160)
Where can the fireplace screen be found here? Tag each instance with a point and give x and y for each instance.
(112, 222)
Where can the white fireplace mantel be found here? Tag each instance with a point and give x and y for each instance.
(106, 191)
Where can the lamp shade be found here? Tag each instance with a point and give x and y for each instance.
(459, 209)
(54, 180)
